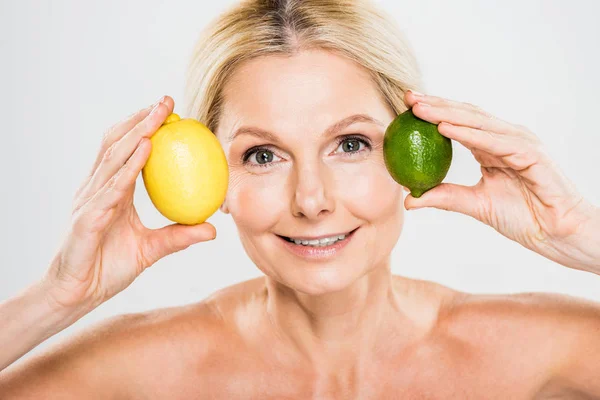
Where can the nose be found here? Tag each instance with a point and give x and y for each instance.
(312, 198)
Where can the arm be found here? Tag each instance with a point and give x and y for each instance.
(72, 285)
(106, 246)
(30, 318)
(98, 363)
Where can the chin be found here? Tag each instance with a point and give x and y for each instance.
(321, 280)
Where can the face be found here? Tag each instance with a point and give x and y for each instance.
(306, 161)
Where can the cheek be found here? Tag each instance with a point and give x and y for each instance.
(370, 192)
(255, 202)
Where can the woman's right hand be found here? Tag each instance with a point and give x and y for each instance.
(107, 246)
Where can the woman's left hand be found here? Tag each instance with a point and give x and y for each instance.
(522, 193)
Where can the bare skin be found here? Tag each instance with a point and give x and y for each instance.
(339, 328)
(458, 346)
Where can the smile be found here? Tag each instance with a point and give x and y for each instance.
(317, 248)
(317, 242)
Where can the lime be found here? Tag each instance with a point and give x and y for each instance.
(416, 155)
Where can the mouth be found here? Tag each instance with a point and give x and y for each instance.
(320, 241)
(323, 247)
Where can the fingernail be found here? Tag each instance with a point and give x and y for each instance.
(422, 104)
(155, 108)
(162, 99)
(417, 94)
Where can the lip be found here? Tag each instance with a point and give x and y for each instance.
(317, 253)
(320, 237)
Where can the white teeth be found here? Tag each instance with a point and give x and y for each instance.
(319, 242)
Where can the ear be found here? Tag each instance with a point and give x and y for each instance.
(224, 209)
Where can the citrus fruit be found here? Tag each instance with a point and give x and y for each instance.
(416, 155)
(186, 174)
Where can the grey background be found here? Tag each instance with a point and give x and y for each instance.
(70, 69)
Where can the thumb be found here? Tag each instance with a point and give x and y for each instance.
(447, 196)
(161, 242)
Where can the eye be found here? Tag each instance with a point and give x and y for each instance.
(259, 157)
(352, 144)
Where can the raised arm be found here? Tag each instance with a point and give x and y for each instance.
(522, 193)
(105, 248)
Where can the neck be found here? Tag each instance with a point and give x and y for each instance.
(355, 322)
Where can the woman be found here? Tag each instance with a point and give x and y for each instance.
(299, 93)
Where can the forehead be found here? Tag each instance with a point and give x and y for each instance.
(311, 88)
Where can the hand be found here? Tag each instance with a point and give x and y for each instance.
(522, 193)
(106, 246)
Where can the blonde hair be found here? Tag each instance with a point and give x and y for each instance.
(253, 28)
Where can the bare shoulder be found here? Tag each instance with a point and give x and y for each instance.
(529, 312)
(138, 353)
(546, 337)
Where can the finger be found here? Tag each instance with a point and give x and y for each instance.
(159, 243)
(120, 151)
(487, 160)
(117, 131)
(490, 172)
(411, 98)
(95, 213)
(120, 184)
(113, 134)
(450, 197)
(518, 153)
(463, 116)
(478, 139)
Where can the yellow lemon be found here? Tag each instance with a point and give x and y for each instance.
(186, 174)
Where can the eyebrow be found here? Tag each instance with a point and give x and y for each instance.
(332, 130)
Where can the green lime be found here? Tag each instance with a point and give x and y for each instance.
(415, 153)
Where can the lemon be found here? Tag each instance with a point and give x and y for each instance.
(416, 155)
(186, 174)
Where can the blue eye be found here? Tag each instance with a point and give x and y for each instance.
(258, 156)
(352, 144)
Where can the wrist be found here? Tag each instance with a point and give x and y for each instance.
(64, 293)
(59, 302)
(592, 242)
(52, 317)
(581, 249)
